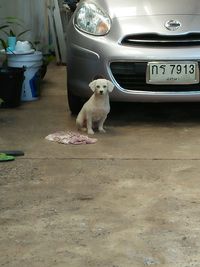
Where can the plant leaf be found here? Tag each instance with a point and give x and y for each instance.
(21, 33)
(12, 33)
(3, 44)
(3, 27)
(13, 19)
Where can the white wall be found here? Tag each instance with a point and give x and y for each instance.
(34, 15)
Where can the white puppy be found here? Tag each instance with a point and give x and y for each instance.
(96, 109)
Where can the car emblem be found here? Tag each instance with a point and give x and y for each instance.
(172, 25)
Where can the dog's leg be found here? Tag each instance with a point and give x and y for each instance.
(81, 120)
(89, 125)
(100, 126)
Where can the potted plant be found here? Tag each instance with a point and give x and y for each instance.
(11, 79)
(12, 29)
(34, 70)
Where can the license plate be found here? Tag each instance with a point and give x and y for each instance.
(172, 72)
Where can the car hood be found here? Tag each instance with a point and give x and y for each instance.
(127, 8)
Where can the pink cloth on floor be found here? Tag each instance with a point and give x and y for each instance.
(70, 138)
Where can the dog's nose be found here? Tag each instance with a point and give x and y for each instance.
(101, 92)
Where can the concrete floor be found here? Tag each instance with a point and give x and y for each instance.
(131, 199)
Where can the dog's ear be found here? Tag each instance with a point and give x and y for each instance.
(92, 85)
(110, 86)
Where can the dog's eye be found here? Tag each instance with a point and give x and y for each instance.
(104, 86)
(98, 86)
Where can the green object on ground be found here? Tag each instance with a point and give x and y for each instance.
(12, 152)
(5, 157)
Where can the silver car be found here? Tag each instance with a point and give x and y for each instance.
(149, 49)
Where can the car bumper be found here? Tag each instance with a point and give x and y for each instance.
(96, 56)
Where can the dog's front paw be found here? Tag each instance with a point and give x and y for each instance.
(101, 130)
(90, 131)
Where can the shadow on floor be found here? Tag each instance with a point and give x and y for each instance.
(131, 113)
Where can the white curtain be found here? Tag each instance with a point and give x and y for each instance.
(34, 15)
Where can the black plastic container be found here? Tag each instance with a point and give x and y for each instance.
(11, 80)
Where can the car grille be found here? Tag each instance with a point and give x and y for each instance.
(132, 76)
(149, 39)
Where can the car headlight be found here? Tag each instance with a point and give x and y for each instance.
(91, 19)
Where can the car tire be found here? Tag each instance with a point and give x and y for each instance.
(75, 102)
